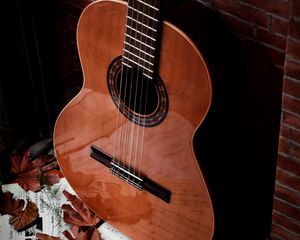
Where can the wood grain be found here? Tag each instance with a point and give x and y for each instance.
(166, 156)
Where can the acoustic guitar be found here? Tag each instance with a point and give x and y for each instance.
(125, 142)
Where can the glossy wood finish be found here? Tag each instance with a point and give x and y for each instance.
(168, 157)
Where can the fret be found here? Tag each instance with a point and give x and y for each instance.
(139, 32)
(140, 18)
(141, 62)
(127, 65)
(131, 63)
(141, 35)
(148, 5)
(139, 54)
(137, 23)
(128, 45)
(153, 3)
(137, 57)
(145, 74)
(144, 14)
(135, 26)
(138, 5)
(132, 40)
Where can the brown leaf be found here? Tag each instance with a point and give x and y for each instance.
(20, 218)
(51, 177)
(90, 234)
(29, 174)
(42, 236)
(71, 216)
(25, 218)
(9, 205)
(83, 216)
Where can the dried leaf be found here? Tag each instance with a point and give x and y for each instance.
(82, 219)
(9, 205)
(42, 236)
(90, 234)
(83, 216)
(20, 218)
(72, 217)
(51, 177)
(25, 218)
(29, 174)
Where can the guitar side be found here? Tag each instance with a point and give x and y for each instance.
(168, 156)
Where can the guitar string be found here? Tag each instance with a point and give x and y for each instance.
(146, 95)
(138, 124)
(130, 130)
(135, 126)
(131, 127)
(120, 129)
(126, 129)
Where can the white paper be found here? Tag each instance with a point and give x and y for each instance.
(49, 201)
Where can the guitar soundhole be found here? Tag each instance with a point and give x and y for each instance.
(142, 100)
(138, 93)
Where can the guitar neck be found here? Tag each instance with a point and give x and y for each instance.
(142, 35)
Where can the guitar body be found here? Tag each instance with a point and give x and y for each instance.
(167, 153)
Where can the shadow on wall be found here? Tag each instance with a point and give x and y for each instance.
(237, 143)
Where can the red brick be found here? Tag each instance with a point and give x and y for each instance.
(238, 26)
(291, 87)
(291, 120)
(289, 148)
(288, 195)
(288, 180)
(288, 164)
(282, 220)
(274, 237)
(294, 30)
(242, 11)
(278, 7)
(291, 134)
(270, 38)
(283, 234)
(291, 104)
(287, 209)
(292, 70)
(293, 49)
(279, 25)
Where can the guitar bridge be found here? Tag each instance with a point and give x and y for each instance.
(128, 175)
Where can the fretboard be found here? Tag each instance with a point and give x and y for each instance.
(141, 35)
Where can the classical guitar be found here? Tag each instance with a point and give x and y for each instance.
(125, 142)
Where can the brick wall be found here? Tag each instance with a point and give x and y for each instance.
(262, 25)
(286, 213)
